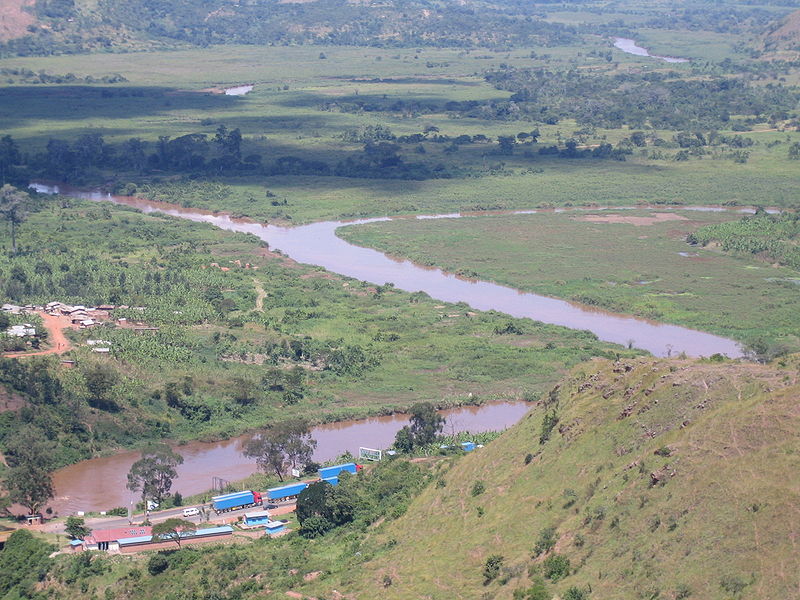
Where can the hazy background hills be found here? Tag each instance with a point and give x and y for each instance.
(42, 27)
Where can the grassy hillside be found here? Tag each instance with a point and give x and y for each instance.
(785, 34)
(662, 479)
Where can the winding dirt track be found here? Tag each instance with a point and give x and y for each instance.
(59, 344)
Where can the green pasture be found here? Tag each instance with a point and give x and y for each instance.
(617, 266)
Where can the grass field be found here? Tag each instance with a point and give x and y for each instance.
(645, 269)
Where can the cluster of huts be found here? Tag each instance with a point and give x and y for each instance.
(19, 330)
(80, 315)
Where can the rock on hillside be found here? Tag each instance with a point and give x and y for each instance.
(663, 479)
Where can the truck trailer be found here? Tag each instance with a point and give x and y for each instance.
(235, 501)
(334, 471)
(287, 491)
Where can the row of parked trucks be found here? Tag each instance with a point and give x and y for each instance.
(248, 498)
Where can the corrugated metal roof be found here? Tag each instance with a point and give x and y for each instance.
(257, 514)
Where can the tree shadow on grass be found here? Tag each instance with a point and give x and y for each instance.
(29, 105)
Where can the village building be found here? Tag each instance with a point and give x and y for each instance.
(24, 330)
(140, 537)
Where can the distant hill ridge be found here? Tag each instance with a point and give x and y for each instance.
(785, 35)
(662, 479)
(15, 19)
(66, 26)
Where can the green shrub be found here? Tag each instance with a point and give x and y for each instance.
(157, 564)
(478, 488)
(491, 569)
(23, 562)
(575, 593)
(556, 567)
(548, 424)
(546, 541)
(538, 591)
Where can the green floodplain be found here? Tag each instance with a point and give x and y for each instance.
(624, 464)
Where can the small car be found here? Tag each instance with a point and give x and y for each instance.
(191, 512)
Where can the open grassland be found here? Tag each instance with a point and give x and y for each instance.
(315, 345)
(632, 261)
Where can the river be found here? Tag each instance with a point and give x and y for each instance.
(628, 45)
(318, 244)
(99, 483)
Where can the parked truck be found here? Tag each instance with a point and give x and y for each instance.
(334, 471)
(327, 474)
(286, 491)
(235, 501)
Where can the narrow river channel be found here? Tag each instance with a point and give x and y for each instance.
(318, 244)
(629, 46)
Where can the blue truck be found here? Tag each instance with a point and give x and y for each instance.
(286, 491)
(235, 500)
(334, 471)
(327, 474)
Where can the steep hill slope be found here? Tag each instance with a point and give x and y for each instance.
(14, 19)
(785, 35)
(662, 479)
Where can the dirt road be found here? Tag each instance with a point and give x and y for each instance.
(59, 344)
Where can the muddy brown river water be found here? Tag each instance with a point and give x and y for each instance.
(100, 483)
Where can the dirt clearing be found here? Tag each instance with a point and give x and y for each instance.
(632, 220)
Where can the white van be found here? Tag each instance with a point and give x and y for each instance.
(191, 512)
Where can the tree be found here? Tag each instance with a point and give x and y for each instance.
(30, 486)
(134, 154)
(29, 456)
(12, 207)
(152, 475)
(171, 530)
(506, 144)
(424, 425)
(286, 444)
(794, 151)
(76, 528)
(100, 379)
(322, 506)
(9, 156)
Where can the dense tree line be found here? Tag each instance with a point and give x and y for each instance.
(660, 100)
